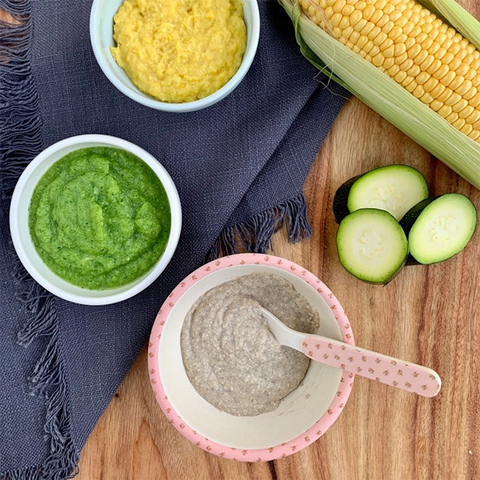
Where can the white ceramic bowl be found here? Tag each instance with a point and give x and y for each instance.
(21, 235)
(101, 36)
(301, 418)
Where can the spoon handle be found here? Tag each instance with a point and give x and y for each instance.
(375, 366)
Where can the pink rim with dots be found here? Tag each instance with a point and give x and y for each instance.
(265, 454)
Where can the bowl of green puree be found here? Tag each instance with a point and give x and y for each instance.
(95, 219)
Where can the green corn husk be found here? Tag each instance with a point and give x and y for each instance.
(385, 96)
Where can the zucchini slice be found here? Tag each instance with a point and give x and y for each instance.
(439, 228)
(395, 188)
(372, 245)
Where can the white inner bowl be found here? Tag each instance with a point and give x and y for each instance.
(101, 36)
(25, 248)
(295, 414)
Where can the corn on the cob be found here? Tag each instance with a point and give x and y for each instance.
(414, 47)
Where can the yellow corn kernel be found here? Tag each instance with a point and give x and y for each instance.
(419, 91)
(388, 63)
(387, 28)
(394, 70)
(438, 91)
(368, 11)
(344, 23)
(354, 37)
(374, 32)
(421, 37)
(414, 51)
(459, 106)
(383, 21)
(453, 99)
(463, 69)
(434, 48)
(380, 38)
(448, 78)
(410, 42)
(367, 28)
(389, 52)
(427, 63)
(441, 72)
(411, 86)
(426, 98)
(434, 67)
(470, 95)
(347, 32)
(446, 95)
(407, 80)
(457, 83)
(475, 134)
(414, 71)
(466, 112)
(452, 118)
(421, 57)
(395, 32)
(400, 49)
(407, 64)
(459, 124)
(464, 89)
(362, 41)
(336, 19)
(377, 15)
(338, 6)
(378, 60)
(445, 111)
(430, 84)
(348, 10)
(359, 26)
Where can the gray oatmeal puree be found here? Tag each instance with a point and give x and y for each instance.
(231, 358)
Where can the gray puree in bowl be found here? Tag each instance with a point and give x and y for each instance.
(231, 358)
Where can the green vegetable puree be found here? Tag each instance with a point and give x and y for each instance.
(99, 218)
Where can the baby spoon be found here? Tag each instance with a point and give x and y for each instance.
(375, 366)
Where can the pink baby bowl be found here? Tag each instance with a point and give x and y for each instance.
(301, 418)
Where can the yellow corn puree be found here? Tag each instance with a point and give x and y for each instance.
(179, 50)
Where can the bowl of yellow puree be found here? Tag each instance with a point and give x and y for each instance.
(175, 55)
(95, 219)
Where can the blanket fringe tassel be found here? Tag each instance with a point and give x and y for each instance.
(255, 235)
(20, 128)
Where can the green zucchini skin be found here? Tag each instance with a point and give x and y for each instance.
(411, 216)
(340, 201)
(411, 262)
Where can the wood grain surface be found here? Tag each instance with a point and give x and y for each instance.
(427, 315)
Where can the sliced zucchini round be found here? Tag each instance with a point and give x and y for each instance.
(394, 188)
(439, 228)
(372, 245)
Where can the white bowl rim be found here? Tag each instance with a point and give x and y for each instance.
(175, 209)
(223, 451)
(211, 99)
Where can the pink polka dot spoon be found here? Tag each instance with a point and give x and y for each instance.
(372, 365)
